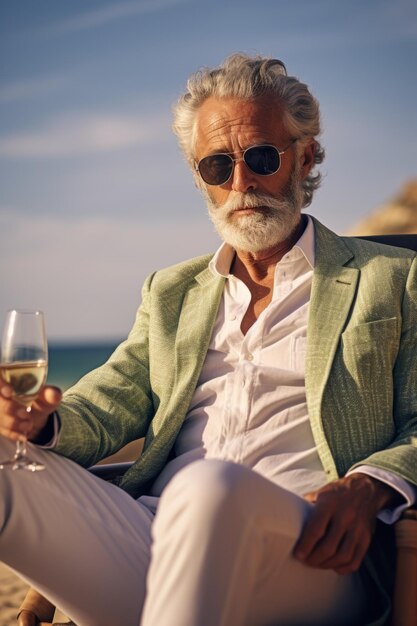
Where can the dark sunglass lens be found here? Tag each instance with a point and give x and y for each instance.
(263, 160)
(215, 169)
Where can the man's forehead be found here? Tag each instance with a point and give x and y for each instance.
(217, 118)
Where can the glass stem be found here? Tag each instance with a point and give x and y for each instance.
(21, 445)
(20, 449)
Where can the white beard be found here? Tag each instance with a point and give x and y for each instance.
(262, 230)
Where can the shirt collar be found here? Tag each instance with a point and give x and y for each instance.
(222, 261)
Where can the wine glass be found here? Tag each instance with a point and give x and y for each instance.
(24, 366)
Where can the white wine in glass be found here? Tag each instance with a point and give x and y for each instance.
(24, 366)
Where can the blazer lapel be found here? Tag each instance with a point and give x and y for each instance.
(198, 314)
(332, 295)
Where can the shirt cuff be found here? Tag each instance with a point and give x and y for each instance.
(56, 427)
(406, 489)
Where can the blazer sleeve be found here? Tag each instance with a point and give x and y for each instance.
(113, 404)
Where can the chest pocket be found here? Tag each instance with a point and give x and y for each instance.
(369, 349)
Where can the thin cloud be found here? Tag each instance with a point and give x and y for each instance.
(25, 89)
(111, 13)
(84, 134)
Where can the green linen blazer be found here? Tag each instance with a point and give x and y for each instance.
(361, 365)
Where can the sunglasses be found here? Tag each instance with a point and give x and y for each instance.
(263, 160)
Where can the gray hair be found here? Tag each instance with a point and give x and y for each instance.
(244, 77)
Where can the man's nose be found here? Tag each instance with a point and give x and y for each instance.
(243, 179)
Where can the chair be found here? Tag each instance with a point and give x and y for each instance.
(405, 588)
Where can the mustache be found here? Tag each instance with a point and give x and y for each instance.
(249, 200)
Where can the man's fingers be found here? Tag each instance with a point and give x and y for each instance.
(351, 565)
(326, 548)
(340, 527)
(49, 396)
(48, 400)
(340, 557)
(16, 428)
(6, 391)
(343, 562)
(340, 549)
(312, 533)
(16, 422)
(14, 419)
(15, 435)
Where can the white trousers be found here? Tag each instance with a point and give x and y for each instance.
(217, 552)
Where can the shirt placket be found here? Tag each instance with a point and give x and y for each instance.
(238, 387)
(243, 380)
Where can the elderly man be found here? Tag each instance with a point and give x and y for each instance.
(275, 385)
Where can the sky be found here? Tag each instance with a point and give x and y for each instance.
(94, 192)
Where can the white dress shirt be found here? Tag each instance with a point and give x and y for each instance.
(250, 405)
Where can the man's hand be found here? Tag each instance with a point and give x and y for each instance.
(340, 527)
(16, 423)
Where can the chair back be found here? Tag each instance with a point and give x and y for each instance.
(401, 241)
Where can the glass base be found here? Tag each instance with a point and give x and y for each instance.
(22, 463)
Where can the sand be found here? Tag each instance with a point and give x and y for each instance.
(12, 592)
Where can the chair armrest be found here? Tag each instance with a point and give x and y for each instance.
(405, 598)
(410, 514)
(110, 470)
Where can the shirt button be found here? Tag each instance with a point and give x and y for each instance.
(249, 357)
(232, 317)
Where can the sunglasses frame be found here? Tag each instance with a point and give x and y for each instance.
(242, 158)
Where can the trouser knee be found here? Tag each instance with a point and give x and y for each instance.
(208, 489)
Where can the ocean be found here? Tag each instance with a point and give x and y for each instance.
(68, 362)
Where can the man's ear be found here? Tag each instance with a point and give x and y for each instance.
(307, 158)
